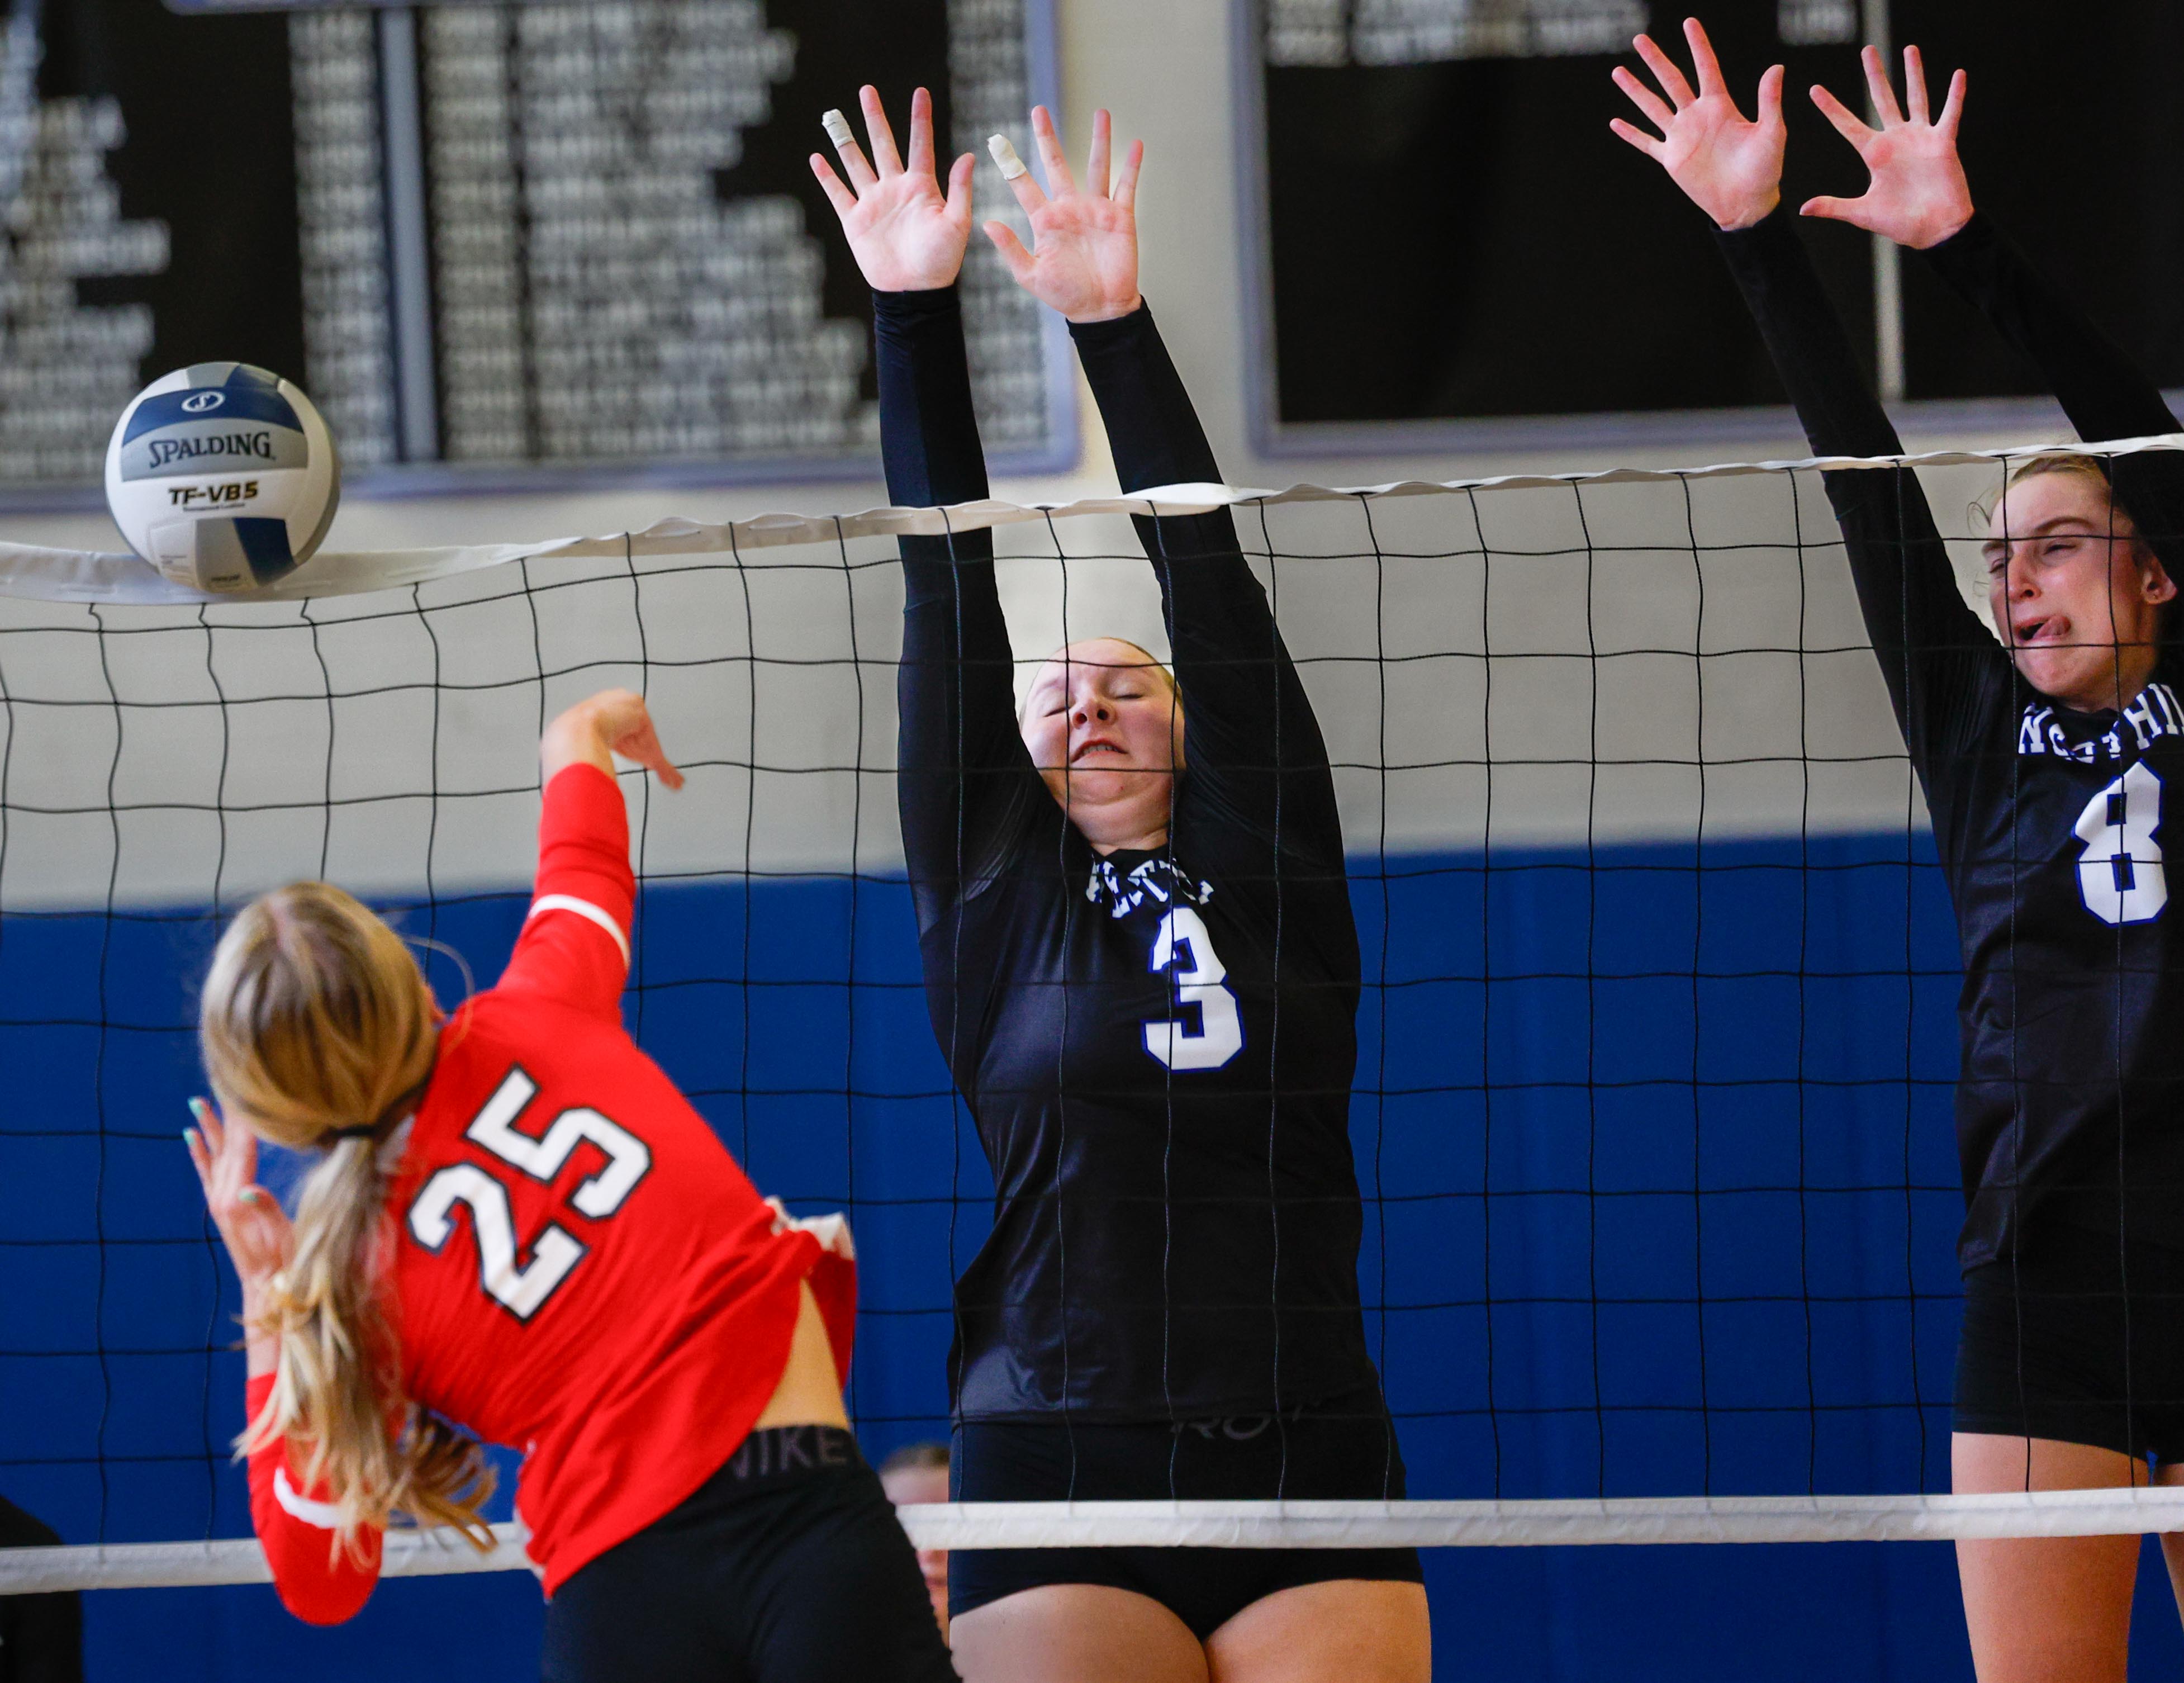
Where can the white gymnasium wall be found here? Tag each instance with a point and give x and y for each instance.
(1579, 745)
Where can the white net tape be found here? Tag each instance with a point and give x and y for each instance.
(1247, 1524)
(85, 576)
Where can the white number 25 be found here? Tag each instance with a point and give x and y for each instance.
(523, 1290)
(2119, 874)
(1199, 979)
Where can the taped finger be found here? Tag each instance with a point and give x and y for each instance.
(860, 172)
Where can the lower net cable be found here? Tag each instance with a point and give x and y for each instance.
(1243, 1524)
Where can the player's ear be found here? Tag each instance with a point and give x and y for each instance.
(2153, 579)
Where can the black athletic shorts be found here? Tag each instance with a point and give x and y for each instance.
(788, 1566)
(1341, 1449)
(2054, 1345)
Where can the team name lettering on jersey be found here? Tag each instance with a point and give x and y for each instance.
(1162, 881)
(2155, 713)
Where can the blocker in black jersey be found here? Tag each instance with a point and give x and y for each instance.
(2049, 822)
(1157, 1047)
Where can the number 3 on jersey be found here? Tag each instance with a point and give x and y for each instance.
(2120, 873)
(522, 1290)
(1200, 979)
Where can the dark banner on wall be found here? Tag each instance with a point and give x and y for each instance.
(1451, 233)
(499, 238)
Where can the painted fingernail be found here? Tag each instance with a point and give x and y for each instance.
(197, 1108)
(249, 1194)
(1005, 155)
(837, 129)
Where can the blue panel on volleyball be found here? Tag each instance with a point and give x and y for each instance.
(246, 394)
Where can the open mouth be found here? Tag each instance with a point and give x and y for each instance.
(1097, 745)
(2031, 632)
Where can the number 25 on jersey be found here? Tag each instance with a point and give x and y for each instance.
(523, 1290)
(2119, 874)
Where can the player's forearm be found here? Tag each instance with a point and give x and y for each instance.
(928, 428)
(2104, 393)
(1152, 428)
(1805, 339)
(1920, 629)
(584, 841)
(315, 1582)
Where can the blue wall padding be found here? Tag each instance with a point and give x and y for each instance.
(1661, 1199)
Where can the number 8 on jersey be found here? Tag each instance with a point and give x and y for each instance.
(2120, 874)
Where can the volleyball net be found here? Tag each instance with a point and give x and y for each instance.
(1652, 1112)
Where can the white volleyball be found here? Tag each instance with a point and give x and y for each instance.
(222, 475)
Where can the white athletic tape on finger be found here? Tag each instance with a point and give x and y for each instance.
(838, 129)
(1005, 156)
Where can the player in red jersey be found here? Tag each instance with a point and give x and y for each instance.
(518, 1228)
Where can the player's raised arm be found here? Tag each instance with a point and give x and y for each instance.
(317, 1580)
(1933, 652)
(1252, 747)
(1918, 195)
(575, 947)
(964, 777)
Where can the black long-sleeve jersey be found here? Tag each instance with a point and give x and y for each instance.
(2049, 821)
(41, 1636)
(1157, 1046)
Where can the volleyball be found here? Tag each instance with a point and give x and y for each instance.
(222, 475)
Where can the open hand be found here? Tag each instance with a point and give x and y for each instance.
(1727, 165)
(252, 1224)
(1083, 260)
(906, 235)
(1918, 195)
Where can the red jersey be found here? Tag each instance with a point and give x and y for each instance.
(580, 1270)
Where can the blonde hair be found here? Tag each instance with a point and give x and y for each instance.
(315, 1018)
(2083, 467)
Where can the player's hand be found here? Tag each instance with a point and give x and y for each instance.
(1083, 260)
(1727, 165)
(906, 235)
(1918, 195)
(596, 729)
(251, 1222)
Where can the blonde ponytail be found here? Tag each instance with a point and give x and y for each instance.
(318, 1033)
